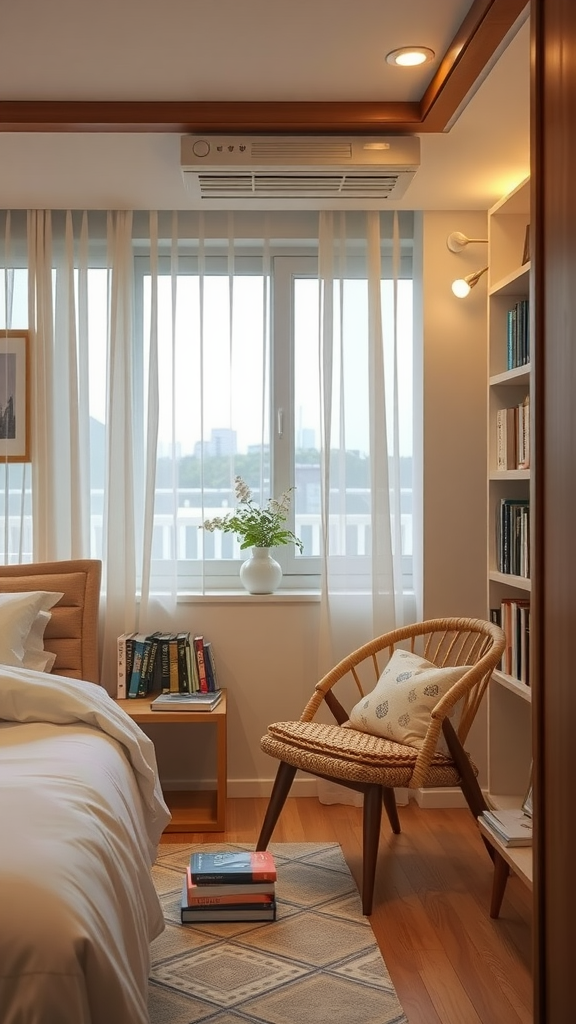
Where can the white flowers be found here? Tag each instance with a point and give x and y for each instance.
(258, 527)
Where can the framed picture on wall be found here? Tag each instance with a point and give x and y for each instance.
(14, 396)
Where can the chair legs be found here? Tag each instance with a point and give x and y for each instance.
(281, 788)
(389, 798)
(372, 816)
(374, 797)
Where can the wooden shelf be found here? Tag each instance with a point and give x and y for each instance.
(198, 810)
(509, 700)
(518, 859)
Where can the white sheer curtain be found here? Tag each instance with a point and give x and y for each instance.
(353, 610)
(376, 601)
(124, 361)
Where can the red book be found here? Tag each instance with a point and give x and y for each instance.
(243, 867)
(199, 653)
(197, 896)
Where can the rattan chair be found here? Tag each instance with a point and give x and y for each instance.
(376, 766)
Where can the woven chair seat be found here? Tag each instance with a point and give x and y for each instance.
(346, 754)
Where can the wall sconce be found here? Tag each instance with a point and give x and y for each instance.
(457, 241)
(463, 286)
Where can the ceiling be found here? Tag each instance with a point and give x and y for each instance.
(95, 97)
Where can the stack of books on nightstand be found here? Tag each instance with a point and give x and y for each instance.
(228, 886)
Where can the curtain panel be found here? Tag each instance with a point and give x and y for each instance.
(161, 369)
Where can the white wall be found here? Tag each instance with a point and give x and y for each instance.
(455, 431)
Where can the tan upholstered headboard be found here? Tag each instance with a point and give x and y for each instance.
(72, 633)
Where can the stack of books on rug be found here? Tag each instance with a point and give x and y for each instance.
(228, 886)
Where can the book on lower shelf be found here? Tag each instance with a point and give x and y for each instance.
(243, 867)
(512, 827)
(186, 701)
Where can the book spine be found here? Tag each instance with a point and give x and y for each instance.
(231, 877)
(189, 915)
(121, 671)
(210, 667)
(173, 662)
(164, 664)
(138, 651)
(197, 899)
(501, 440)
(153, 676)
(184, 684)
(144, 667)
(199, 652)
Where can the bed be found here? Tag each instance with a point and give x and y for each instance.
(81, 812)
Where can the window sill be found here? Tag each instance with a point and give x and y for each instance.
(243, 597)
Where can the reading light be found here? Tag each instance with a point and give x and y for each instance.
(457, 241)
(463, 286)
(410, 56)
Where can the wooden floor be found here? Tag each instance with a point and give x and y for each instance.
(449, 961)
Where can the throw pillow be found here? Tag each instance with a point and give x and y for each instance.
(399, 706)
(21, 634)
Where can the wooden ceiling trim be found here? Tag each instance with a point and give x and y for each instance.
(482, 31)
(477, 40)
(136, 116)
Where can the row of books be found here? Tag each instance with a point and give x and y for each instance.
(513, 537)
(513, 616)
(513, 827)
(513, 437)
(226, 886)
(518, 334)
(170, 663)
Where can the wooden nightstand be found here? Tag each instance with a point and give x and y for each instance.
(196, 810)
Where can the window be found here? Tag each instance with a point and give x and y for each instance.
(227, 352)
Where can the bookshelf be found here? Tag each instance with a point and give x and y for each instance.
(509, 492)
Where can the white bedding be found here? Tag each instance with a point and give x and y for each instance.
(81, 813)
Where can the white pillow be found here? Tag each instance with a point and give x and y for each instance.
(34, 654)
(399, 706)
(21, 634)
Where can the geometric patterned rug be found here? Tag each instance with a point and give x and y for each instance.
(318, 963)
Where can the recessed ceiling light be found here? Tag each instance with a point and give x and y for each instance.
(410, 56)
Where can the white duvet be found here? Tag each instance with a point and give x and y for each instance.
(81, 813)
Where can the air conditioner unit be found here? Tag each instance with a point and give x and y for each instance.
(299, 167)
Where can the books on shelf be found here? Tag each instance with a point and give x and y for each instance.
(513, 437)
(518, 334)
(512, 826)
(164, 663)
(244, 868)
(513, 615)
(513, 536)
(186, 701)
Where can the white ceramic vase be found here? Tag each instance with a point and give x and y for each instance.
(260, 574)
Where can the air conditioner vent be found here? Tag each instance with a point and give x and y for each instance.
(305, 150)
(284, 186)
(292, 167)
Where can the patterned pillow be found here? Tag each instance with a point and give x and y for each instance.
(399, 706)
